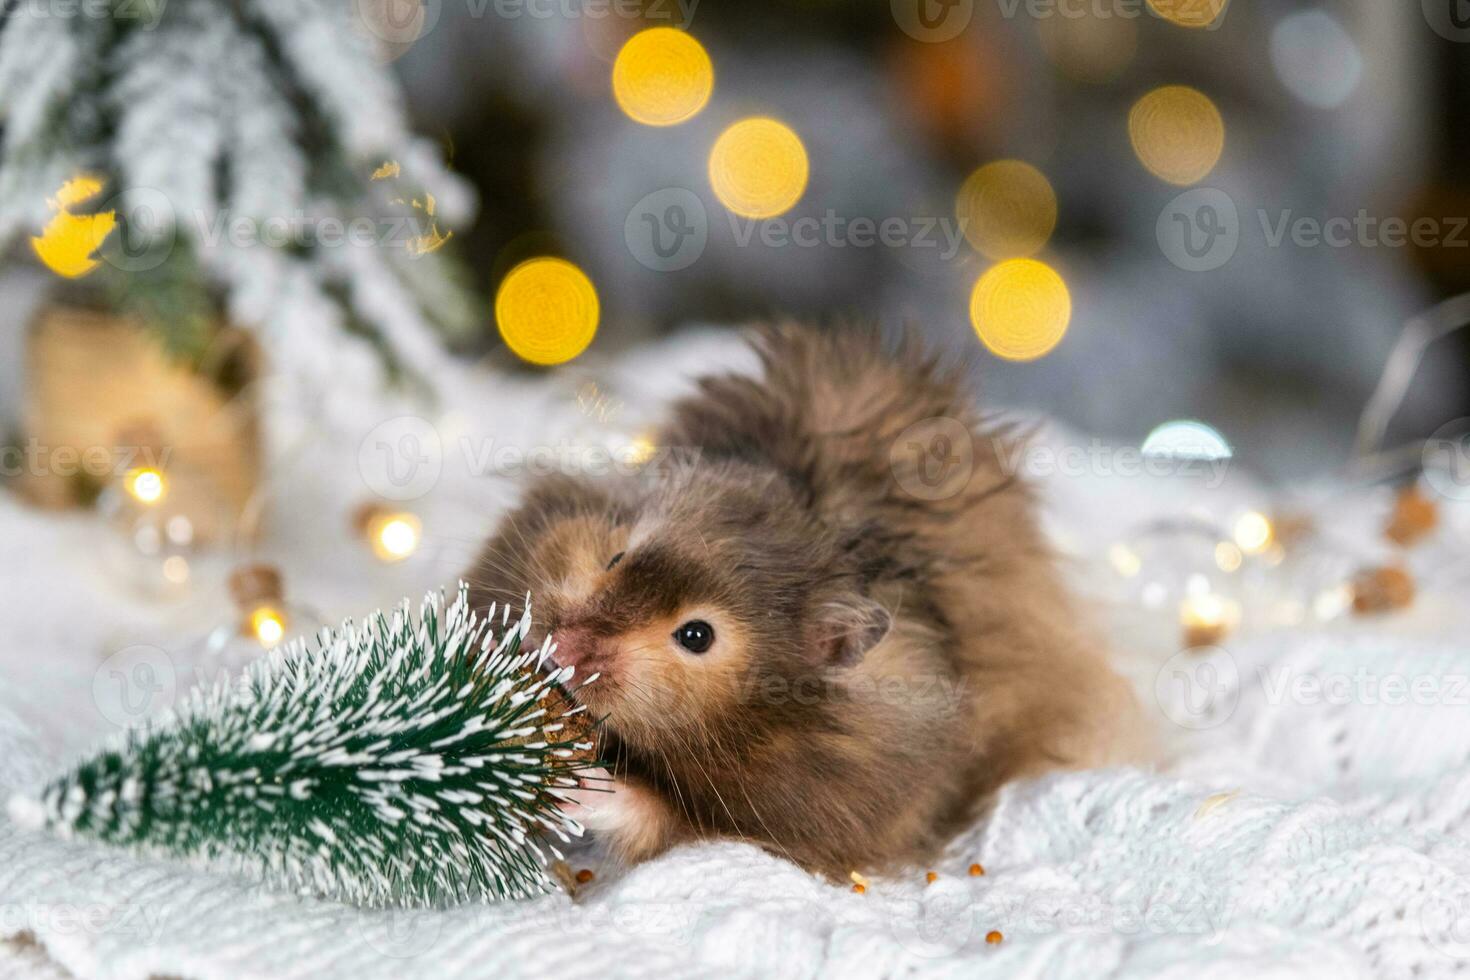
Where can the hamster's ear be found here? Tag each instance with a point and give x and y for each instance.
(847, 628)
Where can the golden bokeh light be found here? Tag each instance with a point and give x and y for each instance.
(1177, 133)
(1020, 309)
(67, 244)
(1007, 209)
(662, 77)
(1254, 533)
(758, 168)
(1189, 13)
(547, 311)
(268, 625)
(145, 485)
(396, 536)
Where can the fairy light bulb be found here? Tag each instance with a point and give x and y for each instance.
(1183, 576)
(268, 625)
(397, 536)
(393, 535)
(1254, 533)
(146, 485)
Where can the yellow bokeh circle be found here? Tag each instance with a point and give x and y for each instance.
(662, 76)
(1020, 309)
(758, 168)
(1189, 13)
(1177, 133)
(1007, 209)
(547, 311)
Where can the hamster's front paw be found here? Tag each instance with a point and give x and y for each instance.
(633, 821)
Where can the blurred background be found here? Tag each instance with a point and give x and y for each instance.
(1076, 123)
(283, 278)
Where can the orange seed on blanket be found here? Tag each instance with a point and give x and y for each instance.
(1414, 516)
(859, 889)
(993, 937)
(976, 870)
(1381, 590)
(584, 876)
(931, 877)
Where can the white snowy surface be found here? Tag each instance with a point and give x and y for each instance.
(1284, 835)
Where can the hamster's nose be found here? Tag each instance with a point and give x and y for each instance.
(580, 647)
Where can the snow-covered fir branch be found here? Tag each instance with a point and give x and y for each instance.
(404, 761)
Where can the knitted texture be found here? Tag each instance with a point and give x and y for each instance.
(1287, 835)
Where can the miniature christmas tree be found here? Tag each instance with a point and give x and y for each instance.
(400, 762)
(257, 160)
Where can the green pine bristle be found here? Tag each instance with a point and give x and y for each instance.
(395, 762)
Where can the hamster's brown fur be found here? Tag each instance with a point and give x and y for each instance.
(888, 651)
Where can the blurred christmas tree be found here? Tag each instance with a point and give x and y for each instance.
(259, 167)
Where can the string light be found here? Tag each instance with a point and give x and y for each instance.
(397, 537)
(392, 535)
(662, 77)
(268, 625)
(1007, 209)
(1253, 532)
(758, 168)
(547, 311)
(1177, 134)
(1020, 309)
(146, 485)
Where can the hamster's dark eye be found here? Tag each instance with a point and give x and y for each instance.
(696, 636)
(615, 559)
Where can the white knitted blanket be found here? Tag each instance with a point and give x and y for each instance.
(1313, 818)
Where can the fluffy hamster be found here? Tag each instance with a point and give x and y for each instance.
(830, 626)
